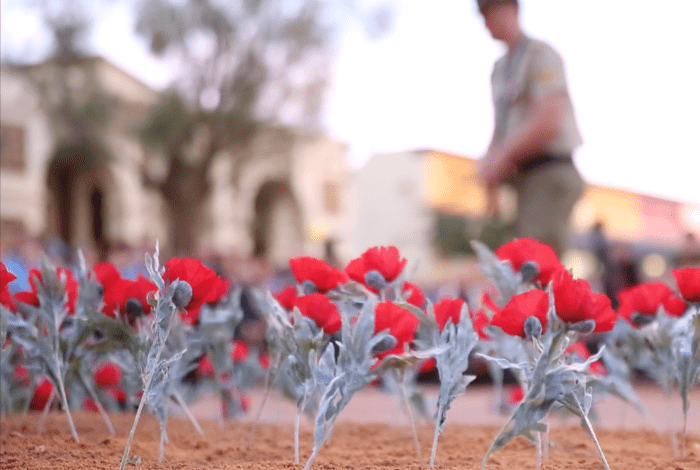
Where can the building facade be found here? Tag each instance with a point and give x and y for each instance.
(291, 198)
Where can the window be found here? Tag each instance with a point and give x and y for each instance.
(11, 147)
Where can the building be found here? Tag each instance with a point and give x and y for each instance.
(290, 198)
(430, 204)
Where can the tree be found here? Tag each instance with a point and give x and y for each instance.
(70, 95)
(242, 64)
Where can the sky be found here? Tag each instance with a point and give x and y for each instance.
(633, 69)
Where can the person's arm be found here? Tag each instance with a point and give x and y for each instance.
(542, 124)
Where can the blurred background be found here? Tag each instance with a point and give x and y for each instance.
(245, 132)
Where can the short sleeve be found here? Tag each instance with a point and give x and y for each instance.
(547, 73)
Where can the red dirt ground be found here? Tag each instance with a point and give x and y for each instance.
(371, 434)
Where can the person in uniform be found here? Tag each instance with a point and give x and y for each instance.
(535, 131)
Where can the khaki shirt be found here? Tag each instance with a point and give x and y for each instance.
(532, 70)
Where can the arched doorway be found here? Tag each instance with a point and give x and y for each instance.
(277, 228)
(78, 187)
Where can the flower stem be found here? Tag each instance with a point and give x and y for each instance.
(436, 434)
(133, 429)
(163, 439)
(147, 384)
(188, 412)
(407, 403)
(296, 436)
(587, 425)
(500, 433)
(64, 403)
(313, 457)
(684, 434)
(256, 421)
(45, 412)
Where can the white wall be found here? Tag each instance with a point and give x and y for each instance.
(390, 209)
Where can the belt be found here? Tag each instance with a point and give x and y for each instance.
(543, 160)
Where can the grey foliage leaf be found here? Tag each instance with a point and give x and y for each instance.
(506, 364)
(584, 327)
(501, 272)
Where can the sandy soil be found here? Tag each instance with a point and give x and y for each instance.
(371, 434)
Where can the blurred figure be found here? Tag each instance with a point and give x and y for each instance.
(535, 130)
(624, 273)
(19, 260)
(690, 252)
(601, 247)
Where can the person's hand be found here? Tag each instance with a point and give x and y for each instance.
(494, 167)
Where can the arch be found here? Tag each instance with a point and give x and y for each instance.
(79, 187)
(277, 226)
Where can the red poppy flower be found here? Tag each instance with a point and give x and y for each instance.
(22, 375)
(533, 303)
(245, 402)
(321, 310)
(286, 297)
(117, 291)
(31, 297)
(264, 360)
(527, 249)
(204, 367)
(515, 394)
(41, 395)
(574, 302)
(118, 394)
(480, 321)
(110, 279)
(428, 365)
(108, 375)
(240, 351)
(138, 290)
(320, 273)
(401, 324)
(448, 308)
(646, 298)
(207, 287)
(27, 297)
(581, 353)
(415, 296)
(688, 281)
(6, 277)
(90, 405)
(387, 261)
